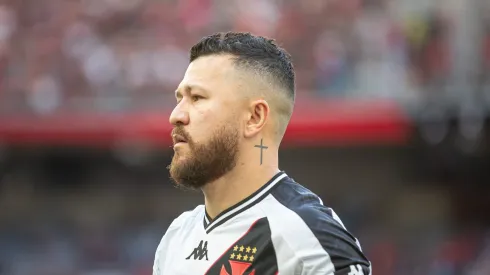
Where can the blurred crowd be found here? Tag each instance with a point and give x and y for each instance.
(112, 55)
(129, 55)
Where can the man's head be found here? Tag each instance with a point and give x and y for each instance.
(238, 89)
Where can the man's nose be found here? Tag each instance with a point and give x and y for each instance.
(179, 116)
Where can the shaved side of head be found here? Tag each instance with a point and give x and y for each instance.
(258, 83)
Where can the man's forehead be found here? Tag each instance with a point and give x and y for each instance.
(208, 71)
(210, 66)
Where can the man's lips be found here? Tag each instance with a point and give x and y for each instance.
(178, 139)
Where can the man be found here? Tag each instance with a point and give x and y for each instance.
(233, 106)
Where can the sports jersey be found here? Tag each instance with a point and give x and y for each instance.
(282, 228)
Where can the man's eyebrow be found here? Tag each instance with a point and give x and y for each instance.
(189, 87)
(197, 87)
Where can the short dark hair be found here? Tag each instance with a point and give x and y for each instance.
(252, 52)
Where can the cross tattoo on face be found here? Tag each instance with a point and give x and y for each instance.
(262, 147)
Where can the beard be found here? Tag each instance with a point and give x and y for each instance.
(204, 162)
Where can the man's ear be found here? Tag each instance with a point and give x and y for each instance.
(258, 114)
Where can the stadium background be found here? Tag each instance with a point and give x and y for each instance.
(390, 129)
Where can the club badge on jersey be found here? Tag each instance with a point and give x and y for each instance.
(240, 260)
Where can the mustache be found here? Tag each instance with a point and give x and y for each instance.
(179, 130)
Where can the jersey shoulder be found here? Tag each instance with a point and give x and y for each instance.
(186, 218)
(321, 223)
(182, 222)
(306, 204)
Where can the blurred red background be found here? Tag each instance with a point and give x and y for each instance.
(390, 126)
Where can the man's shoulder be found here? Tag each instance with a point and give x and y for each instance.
(187, 218)
(182, 223)
(302, 213)
(299, 200)
(303, 203)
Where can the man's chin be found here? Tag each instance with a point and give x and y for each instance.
(176, 164)
(181, 156)
(184, 184)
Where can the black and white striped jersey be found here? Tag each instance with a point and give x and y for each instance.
(282, 228)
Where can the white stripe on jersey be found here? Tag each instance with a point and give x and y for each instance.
(337, 218)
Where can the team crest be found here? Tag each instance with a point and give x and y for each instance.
(252, 254)
(240, 259)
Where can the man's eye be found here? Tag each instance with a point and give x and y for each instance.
(196, 97)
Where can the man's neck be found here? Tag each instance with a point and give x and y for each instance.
(236, 185)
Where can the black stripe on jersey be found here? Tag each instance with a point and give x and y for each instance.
(206, 219)
(253, 252)
(253, 199)
(334, 238)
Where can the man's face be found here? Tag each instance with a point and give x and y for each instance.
(206, 122)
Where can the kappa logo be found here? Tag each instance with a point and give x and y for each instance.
(200, 251)
(240, 260)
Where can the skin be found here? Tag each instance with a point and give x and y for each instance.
(213, 94)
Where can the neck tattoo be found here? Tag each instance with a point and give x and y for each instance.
(262, 147)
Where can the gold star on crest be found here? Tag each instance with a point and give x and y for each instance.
(239, 257)
(235, 248)
(241, 248)
(245, 257)
(232, 256)
(254, 250)
(248, 249)
(251, 258)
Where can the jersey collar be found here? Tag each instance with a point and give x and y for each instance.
(243, 205)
